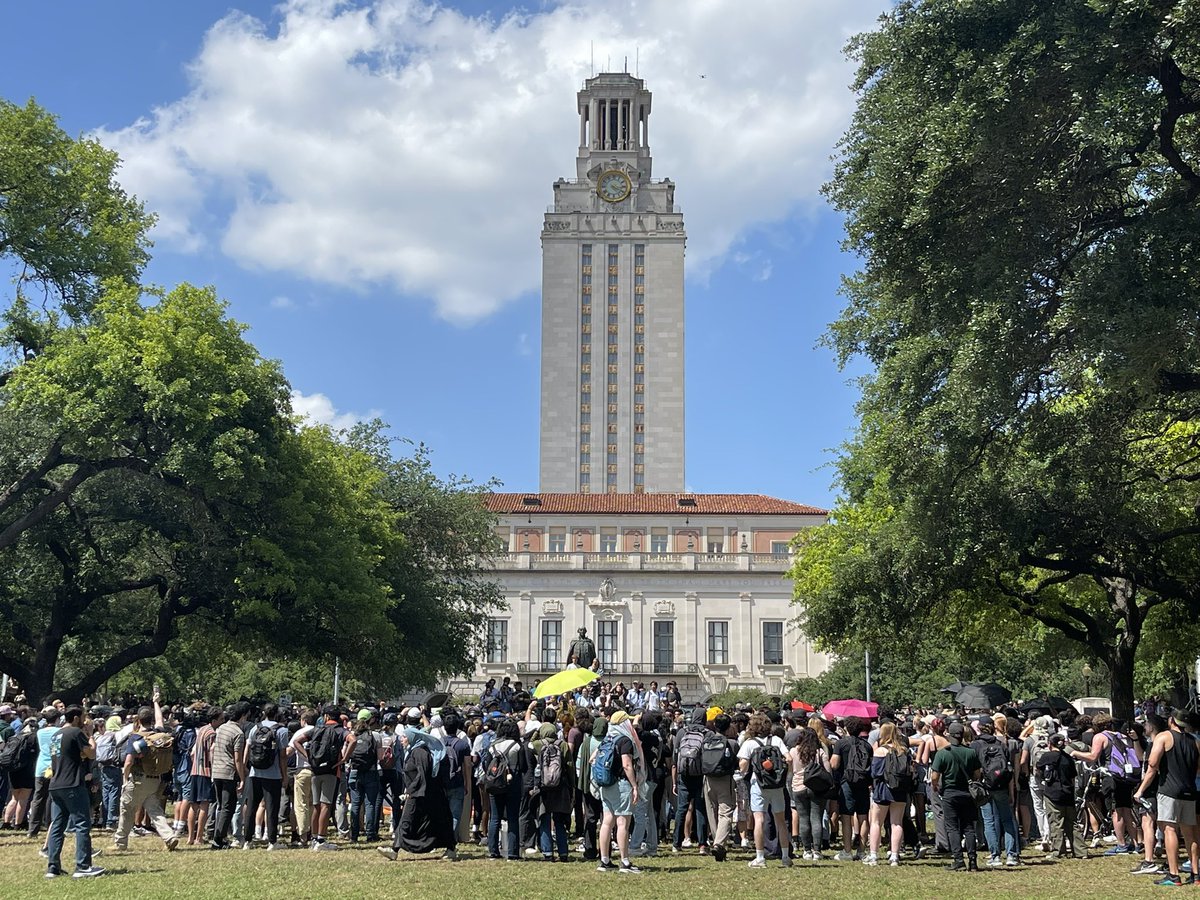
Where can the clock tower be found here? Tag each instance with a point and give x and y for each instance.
(612, 308)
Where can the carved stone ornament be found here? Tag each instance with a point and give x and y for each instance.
(608, 590)
(670, 226)
(552, 607)
(664, 608)
(558, 225)
(607, 598)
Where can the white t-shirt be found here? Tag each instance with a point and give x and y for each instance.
(299, 739)
(751, 745)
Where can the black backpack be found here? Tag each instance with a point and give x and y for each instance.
(997, 767)
(769, 765)
(857, 764)
(898, 772)
(818, 780)
(264, 745)
(497, 774)
(325, 749)
(365, 754)
(19, 752)
(716, 756)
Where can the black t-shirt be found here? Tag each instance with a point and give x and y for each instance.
(844, 749)
(66, 758)
(1060, 790)
(623, 747)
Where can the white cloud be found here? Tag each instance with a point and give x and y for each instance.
(282, 302)
(397, 142)
(524, 346)
(319, 409)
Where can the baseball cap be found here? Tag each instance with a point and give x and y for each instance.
(7, 710)
(364, 714)
(955, 729)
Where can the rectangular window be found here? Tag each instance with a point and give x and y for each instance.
(608, 540)
(716, 540)
(551, 644)
(558, 540)
(772, 643)
(497, 640)
(606, 643)
(664, 646)
(658, 540)
(779, 548)
(502, 540)
(718, 642)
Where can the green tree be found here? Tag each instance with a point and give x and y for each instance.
(65, 223)
(1020, 179)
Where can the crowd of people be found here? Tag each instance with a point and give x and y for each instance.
(608, 775)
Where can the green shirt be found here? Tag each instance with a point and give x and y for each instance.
(955, 765)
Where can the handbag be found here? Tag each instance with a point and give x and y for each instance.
(979, 792)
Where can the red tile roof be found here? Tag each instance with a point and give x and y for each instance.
(648, 504)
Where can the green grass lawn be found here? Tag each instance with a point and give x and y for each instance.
(148, 870)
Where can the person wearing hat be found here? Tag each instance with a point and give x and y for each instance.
(1056, 771)
(953, 769)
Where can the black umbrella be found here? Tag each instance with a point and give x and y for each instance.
(983, 696)
(953, 687)
(436, 700)
(1060, 704)
(1035, 708)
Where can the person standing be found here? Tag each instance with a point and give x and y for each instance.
(999, 825)
(73, 745)
(147, 757)
(228, 771)
(763, 758)
(953, 769)
(1056, 777)
(620, 797)
(1175, 762)
(39, 806)
(202, 784)
(267, 762)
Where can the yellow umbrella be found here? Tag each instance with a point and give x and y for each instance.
(564, 682)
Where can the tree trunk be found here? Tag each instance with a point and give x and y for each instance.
(1120, 667)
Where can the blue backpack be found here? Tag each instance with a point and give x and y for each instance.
(605, 764)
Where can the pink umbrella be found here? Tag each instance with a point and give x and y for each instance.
(840, 709)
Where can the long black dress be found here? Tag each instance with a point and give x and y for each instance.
(425, 823)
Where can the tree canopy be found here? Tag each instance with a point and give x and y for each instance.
(1021, 183)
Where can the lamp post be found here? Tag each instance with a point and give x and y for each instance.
(1087, 674)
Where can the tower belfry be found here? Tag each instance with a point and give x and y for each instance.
(612, 308)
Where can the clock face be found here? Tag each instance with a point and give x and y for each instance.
(613, 186)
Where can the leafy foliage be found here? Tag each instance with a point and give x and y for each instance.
(1021, 182)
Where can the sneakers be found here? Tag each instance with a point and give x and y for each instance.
(718, 852)
(139, 831)
(893, 859)
(386, 851)
(871, 860)
(1170, 881)
(627, 868)
(844, 856)
(89, 872)
(274, 846)
(451, 854)
(326, 845)
(172, 844)
(994, 862)
(956, 867)
(532, 851)
(757, 863)
(1012, 862)
(607, 865)
(1119, 849)
(44, 853)
(786, 861)
(745, 843)
(1146, 867)
(1110, 839)
(52, 873)
(687, 842)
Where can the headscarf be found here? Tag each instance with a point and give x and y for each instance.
(437, 729)
(436, 748)
(623, 724)
(600, 728)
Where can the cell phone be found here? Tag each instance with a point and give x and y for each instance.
(155, 689)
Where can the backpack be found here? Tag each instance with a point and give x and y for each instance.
(485, 742)
(817, 780)
(325, 749)
(716, 756)
(107, 752)
(497, 774)
(264, 745)
(858, 762)
(1041, 746)
(604, 766)
(1123, 763)
(551, 762)
(898, 773)
(691, 745)
(1047, 770)
(997, 767)
(19, 753)
(157, 760)
(768, 765)
(364, 755)
(388, 759)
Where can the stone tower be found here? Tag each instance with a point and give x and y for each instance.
(612, 308)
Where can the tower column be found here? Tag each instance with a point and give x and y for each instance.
(582, 128)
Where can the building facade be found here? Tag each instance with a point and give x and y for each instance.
(612, 308)
(670, 586)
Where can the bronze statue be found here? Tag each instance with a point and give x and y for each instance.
(582, 649)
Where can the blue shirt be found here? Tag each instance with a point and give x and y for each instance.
(44, 736)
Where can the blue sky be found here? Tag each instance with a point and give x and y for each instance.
(364, 183)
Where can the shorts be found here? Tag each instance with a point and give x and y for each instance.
(760, 800)
(618, 798)
(854, 799)
(1119, 796)
(324, 789)
(202, 789)
(185, 790)
(1172, 810)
